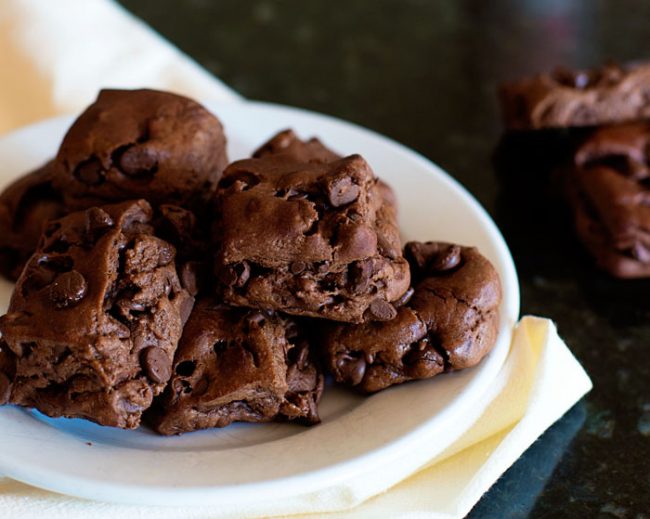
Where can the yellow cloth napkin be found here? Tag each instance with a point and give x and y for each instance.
(54, 57)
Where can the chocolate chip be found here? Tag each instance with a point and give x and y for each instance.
(297, 196)
(188, 274)
(187, 304)
(235, 275)
(166, 254)
(138, 160)
(35, 278)
(351, 369)
(405, 298)
(386, 248)
(361, 274)
(156, 364)
(381, 310)
(342, 191)
(5, 388)
(90, 172)
(98, 220)
(446, 259)
(243, 272)
(297, 267)
(255, 319)
(68, 289)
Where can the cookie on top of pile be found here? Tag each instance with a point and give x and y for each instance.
(159, 284)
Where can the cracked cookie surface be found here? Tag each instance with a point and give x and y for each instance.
(308, 238)
(95, 318)
(447, 321)
(238, 365)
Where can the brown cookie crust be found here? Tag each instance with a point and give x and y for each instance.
(95, 318)
(449, 321)
(313, 239)
(141, 144)
(567, 98)
(238, 365)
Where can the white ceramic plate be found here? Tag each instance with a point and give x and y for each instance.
(358, 436)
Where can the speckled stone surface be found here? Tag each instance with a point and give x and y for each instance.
(425, 73)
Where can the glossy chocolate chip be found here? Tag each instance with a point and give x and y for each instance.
(405, 298)
(187, 304)
(297, 267)
(68, 289)
(342, 192)
(138, 160)
(235, 275)
(90, 172)
(361, 274)
(350, 369)
(446, 259)
(381, 310)
(188, 274)
(156, 364)
(5, 388)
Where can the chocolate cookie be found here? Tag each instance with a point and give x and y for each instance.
(566, 98)
(447, 321)
(96, 317)
(609, 192)
(287, 143)
(238, 365)
(141, 144)
(25, 206)
(313, 239)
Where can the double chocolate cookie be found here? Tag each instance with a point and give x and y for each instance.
(25, 206)
(95, 318)
(238, 365)
(147, 144)
(447, 321)
(308, 238)
(609, 192)
(566, 98)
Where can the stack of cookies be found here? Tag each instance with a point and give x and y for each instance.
(155, 281)
(607, 183)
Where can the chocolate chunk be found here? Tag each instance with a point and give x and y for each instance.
(5, 388)
(188, 274)
(138, 160)
(68, 289)
(185, 309)
(90, 172)
(350, 369)
(361, 276)
(405, 298)
(297, 267)
(381, 310)
(447, 258)
(342, 191)
(156, 364)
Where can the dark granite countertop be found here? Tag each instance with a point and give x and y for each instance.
(424, 73)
